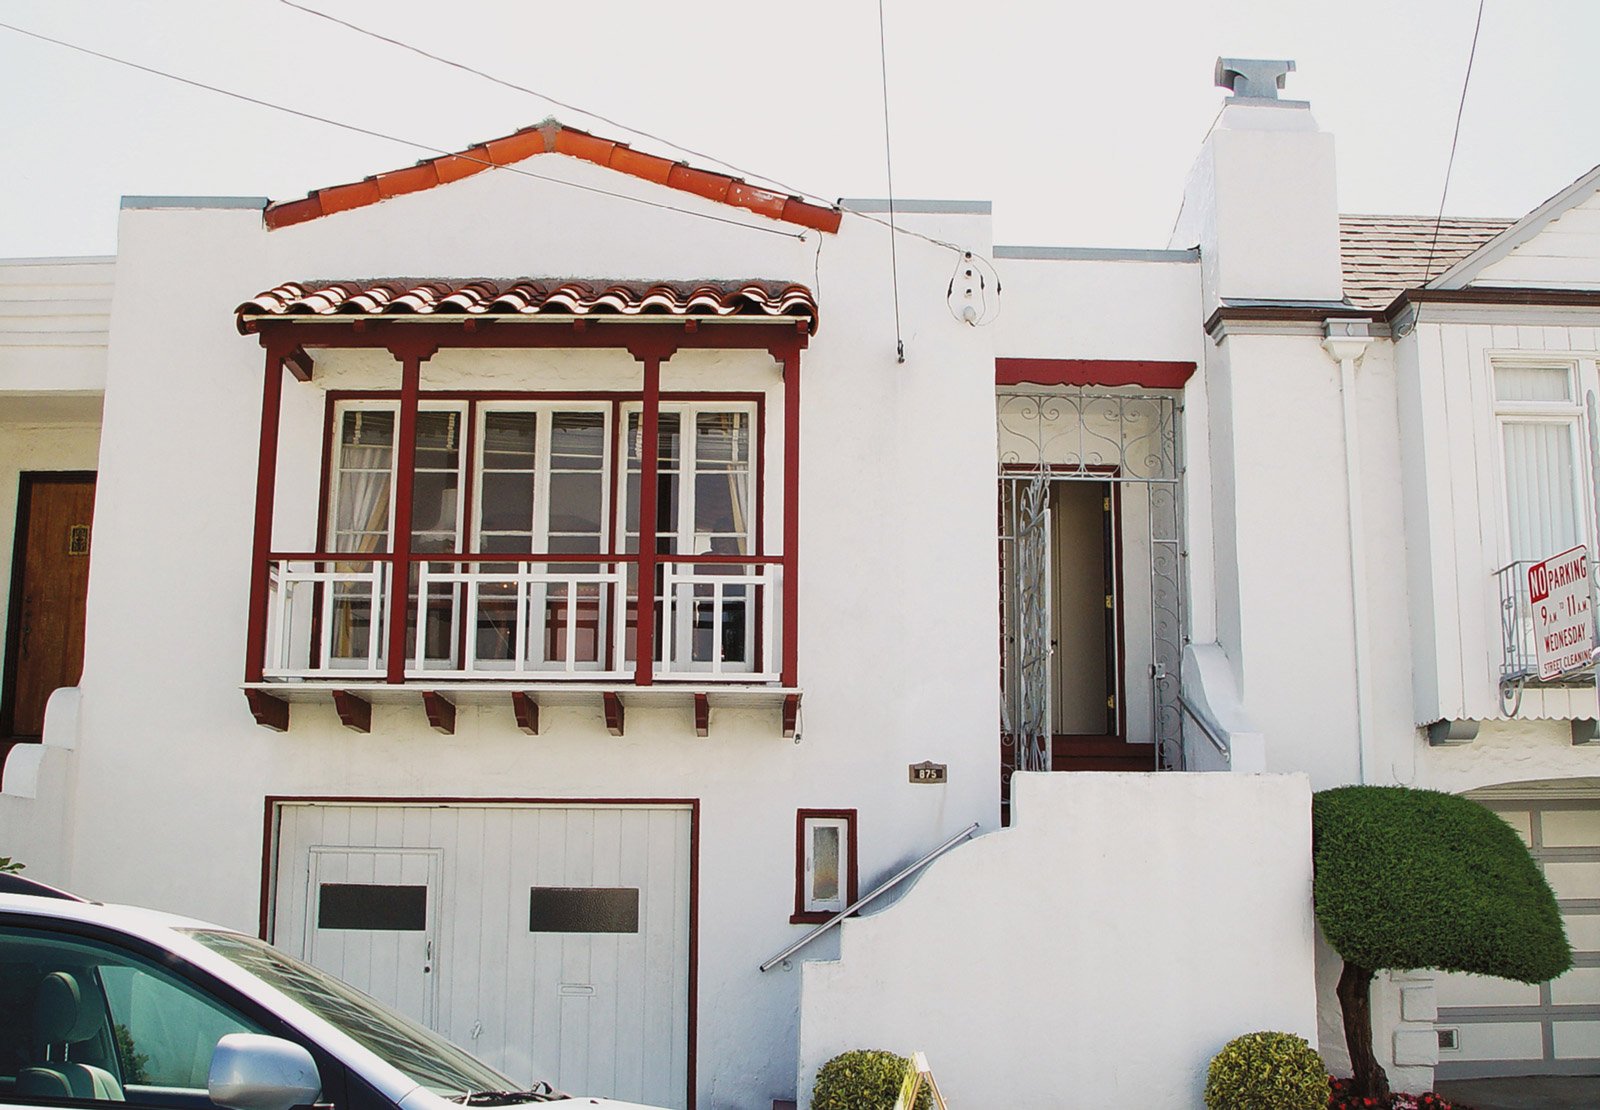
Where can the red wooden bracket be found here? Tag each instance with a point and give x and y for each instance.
(269, 711)
(791, 715)
(613, 708)
(355, 712)
(527, 712)
(299, 364)
(441, 712)
(702, 715)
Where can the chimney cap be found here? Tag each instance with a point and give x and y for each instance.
(1252, 78)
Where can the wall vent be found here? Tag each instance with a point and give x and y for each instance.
(1449, 1040)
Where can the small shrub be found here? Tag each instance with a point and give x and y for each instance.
(7, 865)
(865, 1079)
(1267, 1071)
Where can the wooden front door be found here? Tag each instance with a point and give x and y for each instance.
(49, 583)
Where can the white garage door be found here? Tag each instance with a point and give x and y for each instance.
(552, 941)
(1494, 1027)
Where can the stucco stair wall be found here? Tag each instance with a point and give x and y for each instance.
(1095, 954)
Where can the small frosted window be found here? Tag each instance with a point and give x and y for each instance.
(1532, 383)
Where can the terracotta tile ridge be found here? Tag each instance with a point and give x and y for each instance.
(553, 137)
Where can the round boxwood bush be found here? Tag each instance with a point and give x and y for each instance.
(863, 1079)
(1267, 1071)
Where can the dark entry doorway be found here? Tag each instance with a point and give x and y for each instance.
(49, 585)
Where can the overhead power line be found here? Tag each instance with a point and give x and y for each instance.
(1427, 273)
(427, 148)
(888, 165)
(514, 87)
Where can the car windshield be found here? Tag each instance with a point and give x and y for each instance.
(420, 1053)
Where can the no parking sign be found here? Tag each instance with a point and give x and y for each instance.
(1563, 626)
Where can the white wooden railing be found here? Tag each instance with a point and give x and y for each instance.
(528, 620)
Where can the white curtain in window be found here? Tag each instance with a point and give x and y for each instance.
(1541, 488)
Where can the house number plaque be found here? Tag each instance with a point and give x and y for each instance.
(930, 773)
(77, 539)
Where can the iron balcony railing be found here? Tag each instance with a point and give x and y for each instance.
(1519, 664)
(522, 617)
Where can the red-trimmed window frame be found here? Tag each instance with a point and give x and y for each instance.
(848, 861)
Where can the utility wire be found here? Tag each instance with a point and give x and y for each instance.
(888, 162)
(1427, 273)
(513, 86)
(395, 138)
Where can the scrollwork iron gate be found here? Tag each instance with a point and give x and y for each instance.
(1082, 434)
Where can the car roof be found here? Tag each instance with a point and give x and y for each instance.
(150, 924)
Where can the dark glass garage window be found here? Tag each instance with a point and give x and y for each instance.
(583, 909)
(401, 909)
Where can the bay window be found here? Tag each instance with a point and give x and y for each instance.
(532, 480)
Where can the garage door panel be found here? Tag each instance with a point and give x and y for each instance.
(1522, 821)
(1482, 990)
(1502, 1040)
(1570, 879)
(1577, 1040)
(1578, 987)
(1583, 931)
(1570, 828)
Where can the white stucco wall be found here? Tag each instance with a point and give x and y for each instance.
(1036, 973)
(897, 571)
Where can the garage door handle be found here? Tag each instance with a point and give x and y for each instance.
(581, 989)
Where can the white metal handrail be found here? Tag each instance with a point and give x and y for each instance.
(1210, 731)
(897, 877)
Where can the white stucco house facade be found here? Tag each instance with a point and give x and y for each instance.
(344, 645)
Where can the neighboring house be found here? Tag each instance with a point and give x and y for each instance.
(381, 471)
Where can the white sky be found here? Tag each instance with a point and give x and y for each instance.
(1078, 120)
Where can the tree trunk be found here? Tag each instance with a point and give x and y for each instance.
(1368, 1079)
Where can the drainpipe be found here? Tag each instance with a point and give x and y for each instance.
(1346, 341)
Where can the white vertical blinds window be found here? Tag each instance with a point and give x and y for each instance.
(1540, 426)
(1541, 498)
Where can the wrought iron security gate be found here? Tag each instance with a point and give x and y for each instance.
(1107, 436)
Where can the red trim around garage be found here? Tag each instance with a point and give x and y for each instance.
(269, 850)
(1092, 371)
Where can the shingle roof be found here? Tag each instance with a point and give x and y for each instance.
(1383, 255)
(545, 138)
(528, 297)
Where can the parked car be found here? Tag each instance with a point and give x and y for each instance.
(106, 1004)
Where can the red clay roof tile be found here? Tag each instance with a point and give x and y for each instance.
(546, 138)
(529, 297)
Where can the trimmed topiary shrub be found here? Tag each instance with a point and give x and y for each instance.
(863, 1079)
(1418, 879)
(1267, 1071)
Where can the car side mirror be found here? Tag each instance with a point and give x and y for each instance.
(252, 1072)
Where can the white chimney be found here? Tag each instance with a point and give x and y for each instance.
(1260, 201)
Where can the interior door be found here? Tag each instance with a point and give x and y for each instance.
(49, 585)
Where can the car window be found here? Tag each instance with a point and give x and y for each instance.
(87, 1022)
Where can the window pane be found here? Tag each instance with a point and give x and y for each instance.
(719, 504)
(86, 1022)
(361, 505)
(577, 440)
(1541, 499)
(438, 441)
(825, 863)
(722, 440)
(507, 502)
(509, 439)
(1532, 383)
(433, 501)
(575, 503)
